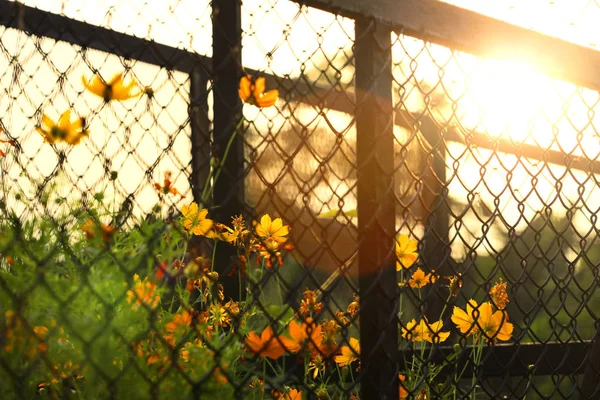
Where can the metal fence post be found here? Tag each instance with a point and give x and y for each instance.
(436, 250)
(376, 213)
(229, 188)
(200, 126)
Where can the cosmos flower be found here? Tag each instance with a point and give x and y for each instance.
(195, 220)
(252, 91)
(64, 130)
(269, 229)
(265, 345)
(406, 252)
(482, 318)
(349, 354)
(115, 89)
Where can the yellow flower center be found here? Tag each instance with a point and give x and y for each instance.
(58, 133)
(107, 93)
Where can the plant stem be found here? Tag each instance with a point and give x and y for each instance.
(209, 189)
(214, 254)
(476, 362)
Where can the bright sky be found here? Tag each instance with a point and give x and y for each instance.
(502, 100)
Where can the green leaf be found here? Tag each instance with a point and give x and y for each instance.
(334, 213)
(282, 313)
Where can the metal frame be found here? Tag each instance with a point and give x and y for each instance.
(430, 20)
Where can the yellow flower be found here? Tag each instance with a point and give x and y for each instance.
(414, 332)
(272, 229)
(195, 221)
(464, 320)
(424, 331)
(65, 130)
(419, 279)
(223, 233)
(316, 365)
(434, 334)
(499, 296)
(406, 252)
(494, 325)
(252, 91)
(349, 353)
(115, 89)
(218, 315)
(265, 345)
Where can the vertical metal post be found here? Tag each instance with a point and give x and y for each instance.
(200, 125)
(376, 213)
(436, 250)
(227, 64)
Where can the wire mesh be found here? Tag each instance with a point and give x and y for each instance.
(106, 292)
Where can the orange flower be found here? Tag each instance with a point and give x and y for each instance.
(292, 394)
(183, 319)
(92, 229)
(65, 130)
(499, 296)
(354, 306)
(115, 89)
(219, 374)
(269, 229)
(15, 335)
(309, 332)
(349, 354)
(494, 325)
(11, 142)
(40, 333)
(309, 305)
(252, 91)
(403, 391)
(267, 345)
(270, 253)
(454, 284)
(419, 279)
(167, 186)
(195, 221)
(144, 292)
(406, 252)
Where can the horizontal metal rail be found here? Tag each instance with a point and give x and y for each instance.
(58, 27)
(474, 33)
(521, 359)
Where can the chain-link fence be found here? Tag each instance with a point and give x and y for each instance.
(439, 201)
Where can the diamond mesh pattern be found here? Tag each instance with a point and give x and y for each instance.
(495, 174)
